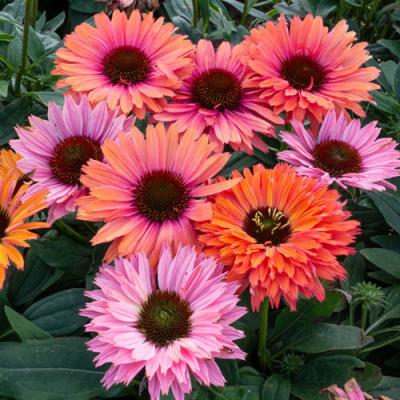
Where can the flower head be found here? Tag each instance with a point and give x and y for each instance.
(8, 163)
(15, 230)
(131, 62)
(279, 233)
(174, 326)
(151, 190)
(343, 153)
(352, 391)
(217, 99)
(54, 151)
(306, 70)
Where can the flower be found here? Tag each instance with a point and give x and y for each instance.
(8, 163)
(54, 151)
(343, 153)
(279, 233)
(306, 70)
(14, 230)
(132, 63)
(151, 190)
(217, 98)
(174, 328)
(352, 391)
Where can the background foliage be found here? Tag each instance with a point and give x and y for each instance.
(42, 342)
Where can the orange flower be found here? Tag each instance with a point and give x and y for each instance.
(8, 163)
(14, 230)
(279, 233)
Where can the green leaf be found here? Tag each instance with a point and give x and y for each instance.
(35, 46)
(390, 386)
(276, 387)
(355, 267)
(50, 369)
(25, 329)
(12, 114)
(14, 51)
(58, 314)
(233, 393)
(3, 88)
(46, 96)
(307, 312)
(251, 379)
(392, 45)
(37, 276)
(396, 82)
(387, 260)
(324, 371)
(388, 204)
(389, 242)
(319, 338)
(54, 23)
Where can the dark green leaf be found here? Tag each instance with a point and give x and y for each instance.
(390, 386)
(392, 45)
(319, 338)
(48, 370)
(58, 314)
(388, 204)
(387, 260)
(14, 52)
(35, 46)
(25, 329)
(276, 387)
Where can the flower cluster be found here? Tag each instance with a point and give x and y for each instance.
(184, 240)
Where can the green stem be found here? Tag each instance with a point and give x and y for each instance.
(34, 13)
(25, 40)
(195, 13)
(72, 233)
(245, 12)
(7, 333)
(351, 314)
(263, 355)
(364, 316)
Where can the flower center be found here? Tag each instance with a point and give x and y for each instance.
(70, 155)
(127, 65)
(217, 89)
(337, 157)
(4, 222)
(302, 72)
(268, 226)
(161, 195)
(164, 318)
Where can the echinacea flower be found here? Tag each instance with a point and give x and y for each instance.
(306, 70)
(15, 230)
(141, 5)
(173, 327)
(279, 233)
(352, 391)
(217, 99)
(133, 63)
(8, 163)
(151, 190)
(54, 151)
(343, 153)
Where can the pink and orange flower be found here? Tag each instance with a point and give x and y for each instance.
(306, 70)
(219, 99)
(279, 233)
(133, 63)
(151, 190)
(173, 327)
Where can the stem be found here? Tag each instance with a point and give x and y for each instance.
(25, 40)
(72, 233)
(7, 333)
(364, 315)
(195, 13)
(34, 13)
(351, 314)
(245, 12)
(263, 355)
(342, 5)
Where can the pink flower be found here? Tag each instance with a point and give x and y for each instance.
(54, 151)
(151, 190)
(352, 391)
(217, 99)
(172, 326)
(343, 153)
